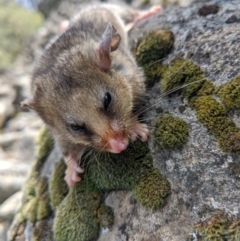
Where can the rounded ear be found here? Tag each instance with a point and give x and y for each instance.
(109, 43)
(28, 103)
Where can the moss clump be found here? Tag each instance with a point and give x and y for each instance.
(151, 51)
(155, 46)
(199, 90)
(110, 171)
(44, 144)
(230, 140)
(105, 216)
(233, 232)
(36, 201)
(215, 228)
(58, 187)
(152, 190)
(214, 116)
(219, 226)
(105, 172)
(76, 217)
(153, 73)
(185, 72)
(229, 93)
(170, 132)
(36, 206)
(43, 208)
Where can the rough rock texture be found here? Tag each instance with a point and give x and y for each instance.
(203, 178)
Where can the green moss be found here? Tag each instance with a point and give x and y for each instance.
(185, 72)
(153, 73)
(229, 93)
(215, 228)
(155, 46)
(211, 113)
(219, 227)
(105, 216)
(76, 217)
(151, 51)
(170, 132)
(122, 171)
(30, 209)
(152, 190)
(43, 209)
(58, 186)
(233, 232)
(44, 144)
(214, 116)
(104, 172)
(36, 205)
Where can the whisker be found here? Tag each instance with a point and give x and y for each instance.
(163, 95)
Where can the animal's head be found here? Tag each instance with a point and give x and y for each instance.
(82, 91)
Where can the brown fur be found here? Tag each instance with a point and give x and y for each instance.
(69, 83)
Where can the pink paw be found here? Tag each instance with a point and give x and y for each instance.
(73, 169)
(140, 130)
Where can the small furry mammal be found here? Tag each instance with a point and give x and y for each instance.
(87, 85)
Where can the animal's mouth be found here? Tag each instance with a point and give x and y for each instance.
(117, 145)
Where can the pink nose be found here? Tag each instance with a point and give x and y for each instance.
(117, 146)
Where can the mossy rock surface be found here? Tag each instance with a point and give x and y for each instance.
(188, 79)
(214, 116)
(220, 226)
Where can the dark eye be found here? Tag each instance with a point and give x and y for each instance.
(77, 127)
(107, 100)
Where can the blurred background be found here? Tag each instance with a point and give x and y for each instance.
(26, 26)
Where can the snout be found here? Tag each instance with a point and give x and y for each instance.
(117, 145)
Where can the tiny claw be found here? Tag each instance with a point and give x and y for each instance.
(141, 130)
(79, 169)
(133, 137)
